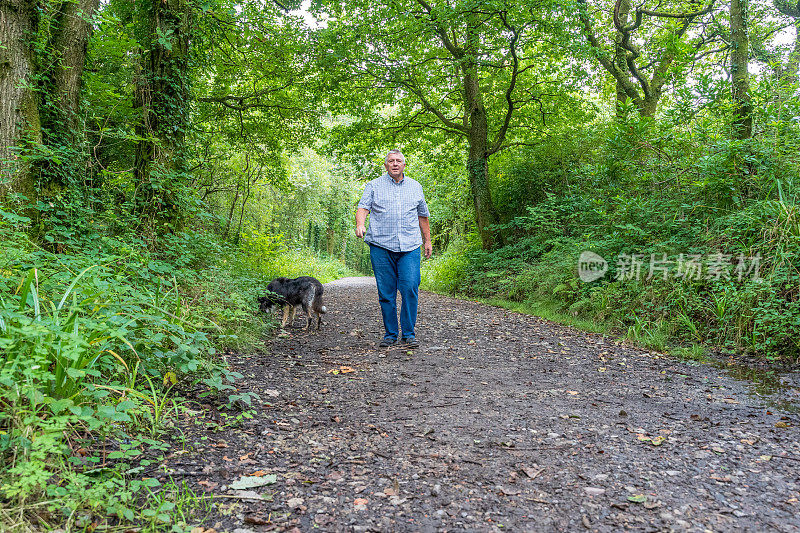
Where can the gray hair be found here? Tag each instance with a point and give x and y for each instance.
(395, 151)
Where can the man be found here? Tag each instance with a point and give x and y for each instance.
(398, 226)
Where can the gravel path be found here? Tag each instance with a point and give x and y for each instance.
(499, 422)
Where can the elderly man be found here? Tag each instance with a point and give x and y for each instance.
(398, 226)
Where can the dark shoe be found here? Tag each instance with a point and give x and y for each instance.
(385, 343)
(410, 342)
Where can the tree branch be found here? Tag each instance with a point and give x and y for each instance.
(788, 8)
(512, 47)
(457, 52)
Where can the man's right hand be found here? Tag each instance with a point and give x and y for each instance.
(361, 222)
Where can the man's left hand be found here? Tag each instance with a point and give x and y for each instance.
(428, 249)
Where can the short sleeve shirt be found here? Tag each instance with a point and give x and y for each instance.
(394, 211)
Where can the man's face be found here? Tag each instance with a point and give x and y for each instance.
(395, 164)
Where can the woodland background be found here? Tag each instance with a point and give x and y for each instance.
(161, 160)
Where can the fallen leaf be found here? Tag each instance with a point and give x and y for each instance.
(781, 425)
(531, 472)
(260, 473)
(256, 519)
(342, 370)
(209, 485)
(249, 482)
(637, 498)
(248, 495)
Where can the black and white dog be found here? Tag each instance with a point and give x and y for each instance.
(304, 291)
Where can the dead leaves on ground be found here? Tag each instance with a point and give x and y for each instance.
(342, 370)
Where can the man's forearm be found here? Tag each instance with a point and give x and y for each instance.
(361, 216)
(425, 228)
(361, 220)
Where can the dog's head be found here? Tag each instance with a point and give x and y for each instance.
(267, 303)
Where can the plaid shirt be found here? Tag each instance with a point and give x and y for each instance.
(394, 210)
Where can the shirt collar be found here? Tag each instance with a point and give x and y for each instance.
(403, 179)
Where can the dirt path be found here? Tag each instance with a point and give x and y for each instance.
(500, 421)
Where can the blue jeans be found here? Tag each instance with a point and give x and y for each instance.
(396, 271)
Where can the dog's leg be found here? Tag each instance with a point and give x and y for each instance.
(286, 309)
(307, 301)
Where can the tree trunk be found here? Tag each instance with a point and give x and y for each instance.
(162, 93)
(19, 108)
(478, 169)
(648, 106)
(241, 215)
(792, 64)
(70, 42)
(478, 139)
(740, 83)
(231, 211)
(619, 57)
(330, 240)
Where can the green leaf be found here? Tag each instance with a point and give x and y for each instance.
(125, 405)
(59, 405)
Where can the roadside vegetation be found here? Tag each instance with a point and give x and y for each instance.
(697, 253)
(98, 341)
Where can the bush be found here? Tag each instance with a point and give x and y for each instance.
(731, 203)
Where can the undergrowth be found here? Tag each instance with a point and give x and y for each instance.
(95, 338)
(702, 253)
